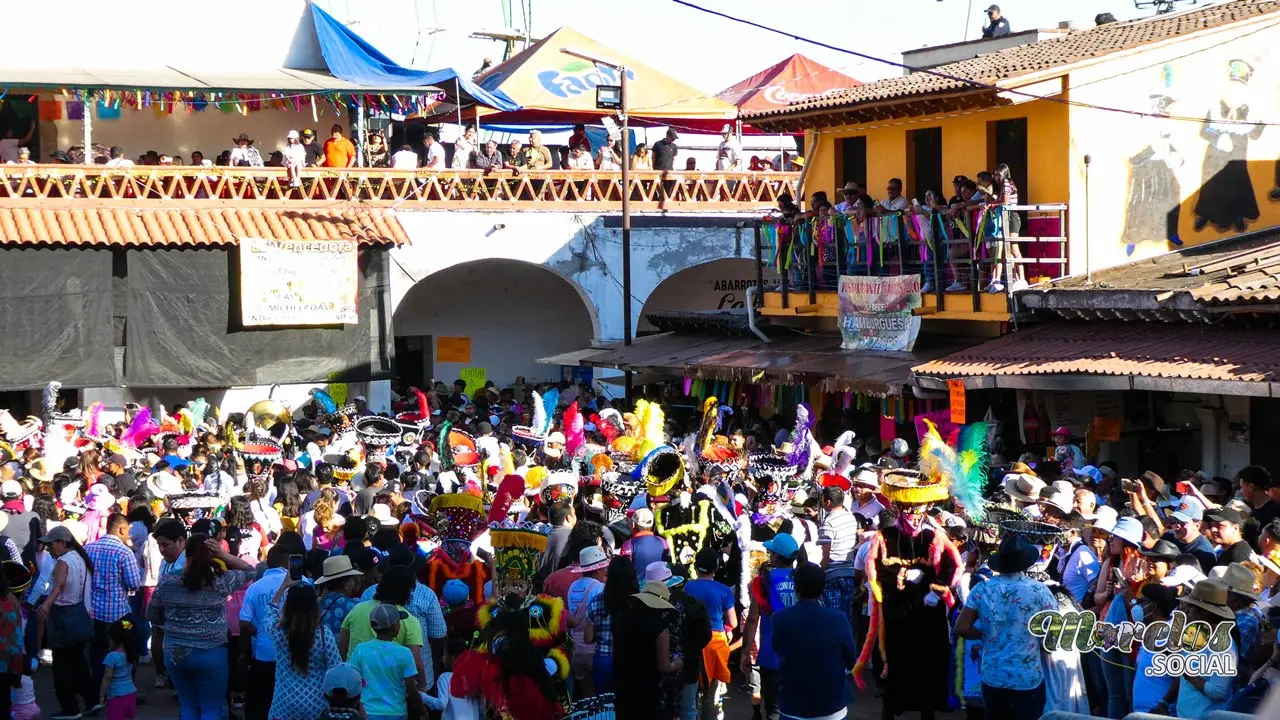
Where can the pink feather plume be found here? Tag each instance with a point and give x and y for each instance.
(574, 437)
(93, 420)
(140, 430)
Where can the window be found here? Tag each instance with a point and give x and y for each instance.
(851, 154)
(924, 162)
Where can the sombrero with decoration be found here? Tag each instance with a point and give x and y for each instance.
(335, 416)
(770, 465)
(462, 448)
(663, 471)
(18, 575)
(418, 419)
(263, 450)
(458, 516)
(517, 547)
(907, 487)
(535, 433)
(378, 431)
(619, 490)
(559, 485)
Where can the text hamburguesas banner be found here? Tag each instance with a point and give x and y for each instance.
(877, 313)
(309, 282)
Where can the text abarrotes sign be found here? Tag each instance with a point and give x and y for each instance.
(877, 313)
(308, 282)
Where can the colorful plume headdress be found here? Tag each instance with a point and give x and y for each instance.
(963, 468)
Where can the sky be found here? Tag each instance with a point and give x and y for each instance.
(704, 51)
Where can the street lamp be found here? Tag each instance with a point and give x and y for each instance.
(619, 103)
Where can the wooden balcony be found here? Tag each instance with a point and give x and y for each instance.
(807, 292)
(71, 185)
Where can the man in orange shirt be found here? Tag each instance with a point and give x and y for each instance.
(338, 151)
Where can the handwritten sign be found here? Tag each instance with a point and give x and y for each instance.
(474, 378)
(305, 282)
(877, 313)
(453, 349)
(337, 390)
(958, 411)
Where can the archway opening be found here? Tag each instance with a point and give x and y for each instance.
(500, 315)
(710, 286)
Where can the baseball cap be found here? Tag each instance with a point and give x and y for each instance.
(643, 518)
(1225, 514)
(994, 8)
(292, 135)
(308, 132)
(385, 616)
(783, 544)
(1189, 508)
(343, 677)
(11, 489)
(59, 533)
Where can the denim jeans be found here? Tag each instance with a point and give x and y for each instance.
(1117, 670)
(141, 626)
(200, 677)
(1006, 704)
(689, 702)
(602, 671)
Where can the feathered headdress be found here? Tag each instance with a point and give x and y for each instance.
(844, 454)
(49, 401)
(801, 438)
(653, 423)
(199, 411)
(140, 430)
(610, 424)
(325, 400)
(964, 467)
(93, 420)
(446, 451)
(549, 403)
(574, 435)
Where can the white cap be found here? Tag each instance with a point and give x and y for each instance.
(11, 489)
(359, 398)
(293, 135)
(643, 518)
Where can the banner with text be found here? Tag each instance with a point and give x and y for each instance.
(877, 313)
(304, 282)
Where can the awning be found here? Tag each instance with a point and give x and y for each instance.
(553, 88)
(792, 80)
(353, 59)
(1171, 357)
(157, 227)
(810, 359)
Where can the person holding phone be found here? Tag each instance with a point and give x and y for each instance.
(306, 648)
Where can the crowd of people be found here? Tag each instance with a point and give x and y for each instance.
(979, 222)
(540, 553)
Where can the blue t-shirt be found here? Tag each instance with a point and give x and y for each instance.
(121, 675)
(1148, 690)
(384, 665)
(717, 598)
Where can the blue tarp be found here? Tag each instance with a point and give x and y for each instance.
(351, 58)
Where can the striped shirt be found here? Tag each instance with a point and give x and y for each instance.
(839, 532)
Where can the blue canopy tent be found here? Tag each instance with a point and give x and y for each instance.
(349, 57)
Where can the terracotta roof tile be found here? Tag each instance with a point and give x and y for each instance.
(190, 227)
(1164, 350)
(1034, 57)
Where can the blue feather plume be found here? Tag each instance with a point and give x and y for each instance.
(550, 399)
(326, 401)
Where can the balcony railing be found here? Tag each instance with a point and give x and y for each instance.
(540, 190)
(953, 255)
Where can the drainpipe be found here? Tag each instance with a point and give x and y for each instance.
(751, 312)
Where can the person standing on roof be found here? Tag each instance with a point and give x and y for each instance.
(999, 23)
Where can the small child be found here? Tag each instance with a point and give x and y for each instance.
(342, 685)
(24, 700)
(388, 668)
(444, 701)
(118, 692)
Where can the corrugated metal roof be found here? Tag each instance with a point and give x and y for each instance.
(1157, 350)
(786, 360)
(1035, 57)
(141, 227)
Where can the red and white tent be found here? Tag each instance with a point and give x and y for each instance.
(794, 79)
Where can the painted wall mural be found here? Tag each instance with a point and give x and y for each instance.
(1202, 165)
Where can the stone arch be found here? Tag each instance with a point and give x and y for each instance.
(708, 286)
(511, 311)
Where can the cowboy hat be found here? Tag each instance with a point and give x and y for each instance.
(1163, 550)
(337, 568)
(1061, 500)
(1211, 595)
(592, 558)
(655, 595)
(1239, 580)
(39, 471)
(244, 137)
(1015, 555)
(1062, 430)
(1021, 486)
(867, 476)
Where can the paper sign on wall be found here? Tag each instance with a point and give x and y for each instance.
(958, 411)
(474, 378)
(1105, 429)
(298, 282)
(453, 349)
(337, 390)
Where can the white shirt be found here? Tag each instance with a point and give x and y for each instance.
(405, 160)
(581, 162)
(435, 156)
(120, 162)
(462, 151)
(729, 155)
(894, 204)
(449, 705)
(294, 155)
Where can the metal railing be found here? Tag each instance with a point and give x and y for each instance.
(546, 189)
(952, 254)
